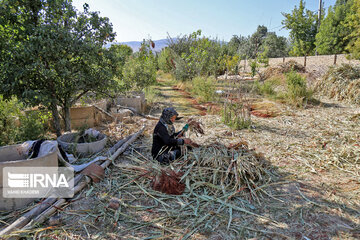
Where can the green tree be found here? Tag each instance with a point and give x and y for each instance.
(332, 35)
(353, 22)
(275, 46)
(140, 69)
(244, 49)
(121, 53)
(256, 41)
(194, 55)
(302, 24)
(233, 45)
(166, 61)
(54, 54)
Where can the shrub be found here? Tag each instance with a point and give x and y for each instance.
(9, 117)
(266, 88)
(139, 73)
(17, 126)
(165, 61)
(152, 95)
(232, 64)
(297, 92)
(181, 71)
(204, 88)
(236, 115)
(33, 125)
(254, 67)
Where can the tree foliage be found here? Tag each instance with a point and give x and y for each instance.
(140, 69)
(302, 24)
(262, 41)
(353, 23)
(53, 54)
(332, 35)
(193, 55)
(275, 46)
(165, 60)
(120, 53)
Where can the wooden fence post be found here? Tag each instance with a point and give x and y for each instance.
(335, 58)
(305, 61)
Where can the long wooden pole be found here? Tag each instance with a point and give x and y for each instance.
(43, 211)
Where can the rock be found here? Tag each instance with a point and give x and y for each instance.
(55, 220)
(114, 204)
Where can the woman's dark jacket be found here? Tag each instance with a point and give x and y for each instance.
(163, 141)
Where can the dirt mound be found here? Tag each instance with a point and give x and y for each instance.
(284, 68)
(341, 83)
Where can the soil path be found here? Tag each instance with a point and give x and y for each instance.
(172, 96)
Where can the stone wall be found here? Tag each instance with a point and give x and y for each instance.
(318, 64)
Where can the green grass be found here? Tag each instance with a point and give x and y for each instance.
(295, 91)
(204, 88)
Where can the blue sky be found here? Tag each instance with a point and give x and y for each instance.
(135, 20)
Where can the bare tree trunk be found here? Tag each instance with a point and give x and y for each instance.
(67, 118)
(56, 118)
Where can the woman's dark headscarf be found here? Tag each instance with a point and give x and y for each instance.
(167, 113)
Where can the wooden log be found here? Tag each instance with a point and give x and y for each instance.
(43, 211)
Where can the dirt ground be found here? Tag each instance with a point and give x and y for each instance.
(313, 152)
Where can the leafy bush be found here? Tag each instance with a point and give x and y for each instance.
(204, 88)
(152, 95)
(139, 74)
(9, 117)
(17, 126)
(194, 55)
(139, 71)
(267, 88)
(165, 60)
(236, 116)
(33, 125)
(232, 64)
(297, 92)
(181, 71)
(254, 67)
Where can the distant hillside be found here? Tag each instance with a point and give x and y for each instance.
(159, 44)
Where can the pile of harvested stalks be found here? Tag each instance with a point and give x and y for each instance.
(341, 83)
(283, 68)
(221, 170)
(219, 182)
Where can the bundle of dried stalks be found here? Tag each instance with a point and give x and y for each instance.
(223, 169)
